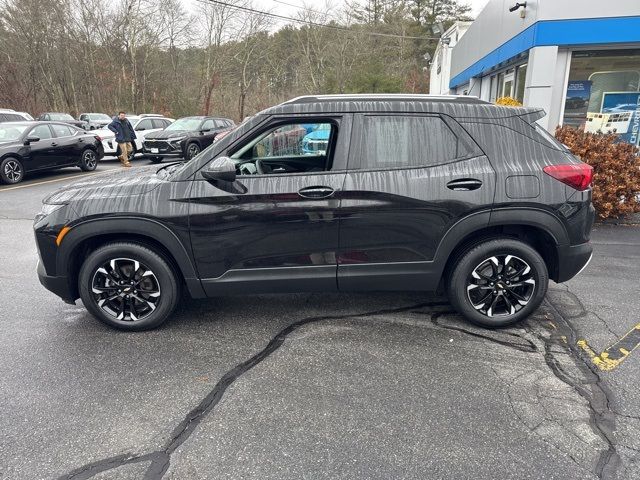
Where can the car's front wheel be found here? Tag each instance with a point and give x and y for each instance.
(498, 282)
(11, 170)
(128, 286)
(193, 149)
(88, 160)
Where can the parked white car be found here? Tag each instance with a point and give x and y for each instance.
(141, 125)
(10, 115)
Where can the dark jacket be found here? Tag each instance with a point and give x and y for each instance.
(116, 127)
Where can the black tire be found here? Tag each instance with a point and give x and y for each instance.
(500, 296)
(191, 150)
(88, 160)
(11, 170)
(154, 293)
(155, 159)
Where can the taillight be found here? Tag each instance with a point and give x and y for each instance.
(97, 137)
(577, 176)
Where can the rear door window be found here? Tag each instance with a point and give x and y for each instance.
(408, 141)
(62, 130)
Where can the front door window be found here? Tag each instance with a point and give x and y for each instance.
(288, 148)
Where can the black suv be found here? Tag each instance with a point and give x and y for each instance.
(184, 138)
(408, 193)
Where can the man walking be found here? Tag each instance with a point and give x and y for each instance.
(121, 126)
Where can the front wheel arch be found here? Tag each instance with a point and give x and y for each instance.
(88, 236)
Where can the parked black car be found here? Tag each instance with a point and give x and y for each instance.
(32, 146)
(63, 117)
(95, 121)
(411, 193)
(184, 138)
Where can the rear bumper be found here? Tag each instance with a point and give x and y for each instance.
(572, 259)
(57, 285)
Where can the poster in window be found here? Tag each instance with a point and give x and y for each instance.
(578, 93)
(620, 114)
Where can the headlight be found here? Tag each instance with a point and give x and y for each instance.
(177, 139)
(49, 208)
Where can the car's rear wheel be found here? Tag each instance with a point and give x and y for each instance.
(11, 170)
(193, 149)
(88, 160)
(498, 282)
(128, 286)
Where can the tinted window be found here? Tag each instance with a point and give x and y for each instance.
(10, 117)
(65, 117)
(159, 123)
(41, 131)
(62, 130)
(145, 124)
(407, 141)
(207, 125)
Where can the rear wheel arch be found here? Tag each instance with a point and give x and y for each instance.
(541, 240)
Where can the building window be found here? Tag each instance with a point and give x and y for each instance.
(500, 84)
(507, 89)
(603, 92)
(521, 78)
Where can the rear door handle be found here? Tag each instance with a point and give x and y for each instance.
(464, 184)
(316, 192)
(54, 144)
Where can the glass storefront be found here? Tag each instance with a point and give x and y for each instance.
(603, 92)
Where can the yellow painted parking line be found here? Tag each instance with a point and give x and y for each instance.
(60, 179)
(614, 355)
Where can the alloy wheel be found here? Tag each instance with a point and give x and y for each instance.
(501, 285)
(89, 159)
(193, 150)
(125, 289)
(13, 171)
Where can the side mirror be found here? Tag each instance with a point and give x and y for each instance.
(141, 129)
(222, 168)
(31, 139)
(205, 130)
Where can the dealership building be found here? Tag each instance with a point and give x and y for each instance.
(579, 60)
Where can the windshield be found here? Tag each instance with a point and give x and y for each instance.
(188, 123)
(99, 116)
(10, 133)
(60, 116)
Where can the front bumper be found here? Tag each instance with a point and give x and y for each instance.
(57, 285)
(572, 259)
(162, 149)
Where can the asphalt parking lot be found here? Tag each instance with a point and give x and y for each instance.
(318, 385)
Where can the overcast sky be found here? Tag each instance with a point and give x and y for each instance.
(281, 9)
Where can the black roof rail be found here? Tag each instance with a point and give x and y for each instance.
(369, 97)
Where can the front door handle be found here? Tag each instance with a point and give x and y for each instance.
(464, 184)
(316, 192)
(54, 144)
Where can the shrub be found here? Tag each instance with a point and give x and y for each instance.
(508, 102)
(616, 169)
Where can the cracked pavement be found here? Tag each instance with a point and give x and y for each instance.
(316, 385)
